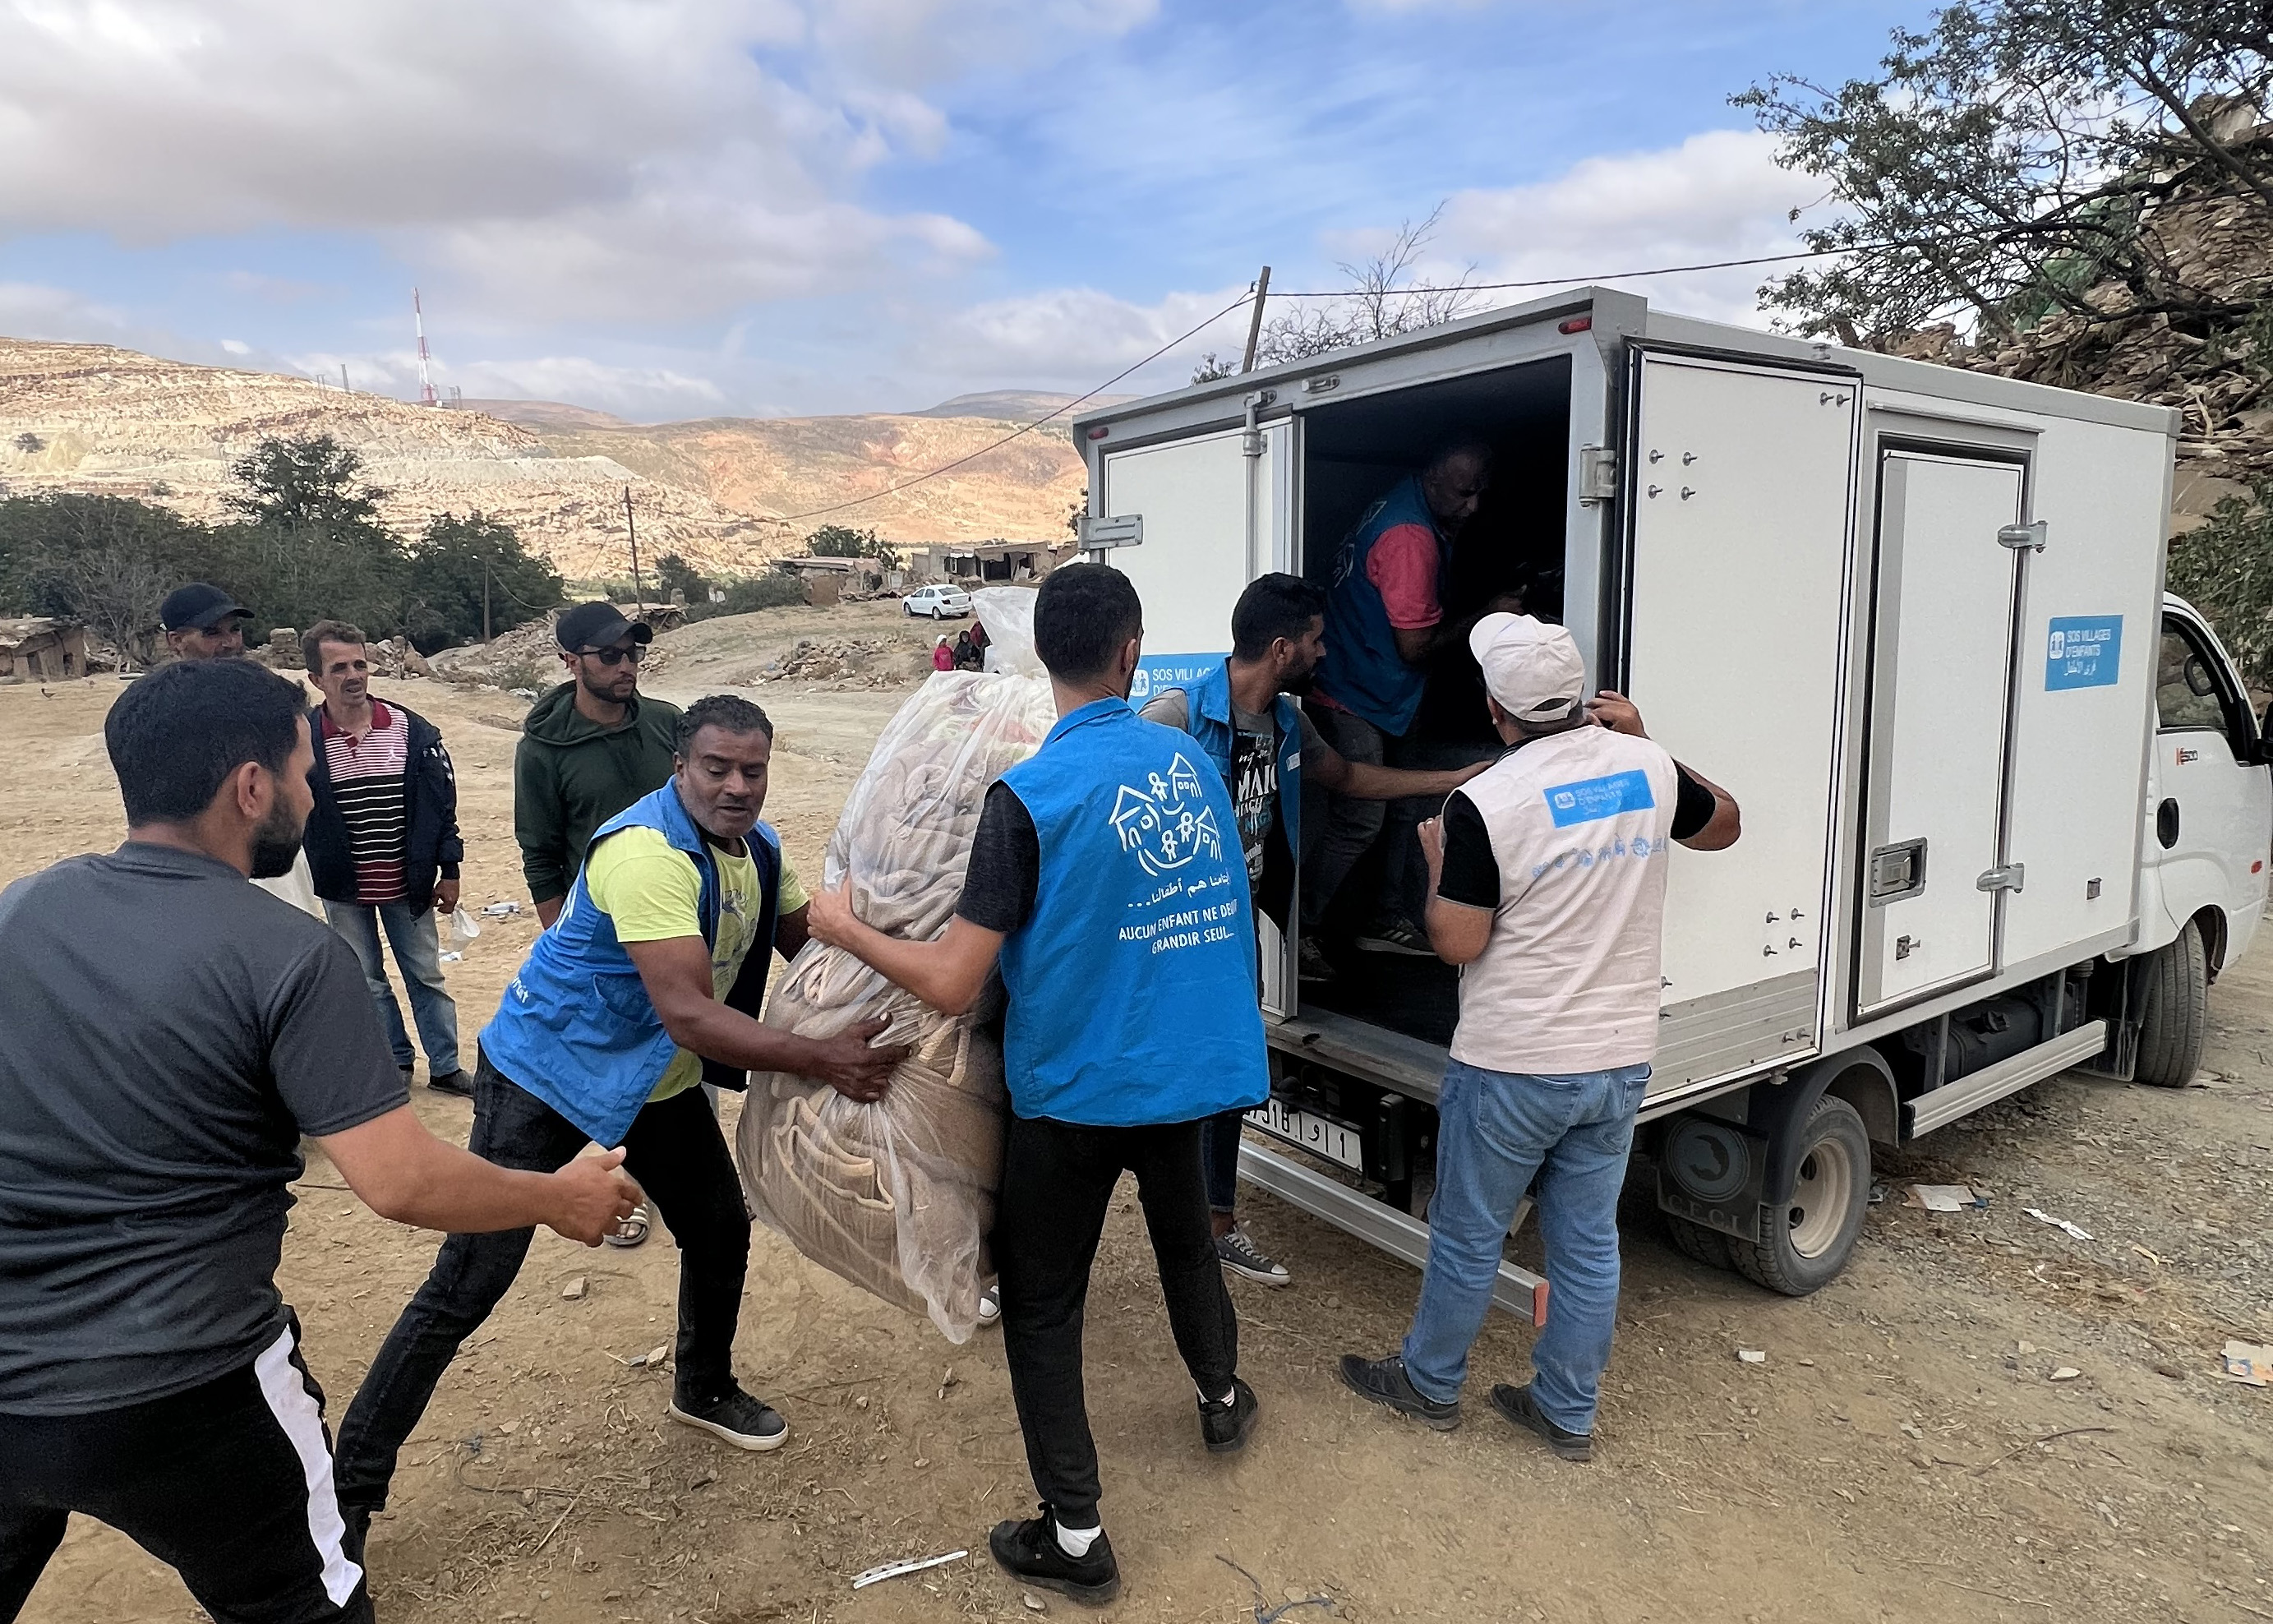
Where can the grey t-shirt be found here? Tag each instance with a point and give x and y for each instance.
(171, 1031)
(1254, 767)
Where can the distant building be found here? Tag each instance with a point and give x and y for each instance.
(985, 561)
(41, 650)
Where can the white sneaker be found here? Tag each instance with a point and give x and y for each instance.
(990, 1304)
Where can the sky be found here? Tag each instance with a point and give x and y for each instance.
(678, 209)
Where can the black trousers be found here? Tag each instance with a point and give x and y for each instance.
(1219, 1152)
(675, 1150)
(1057, 1182)
(229, 1482)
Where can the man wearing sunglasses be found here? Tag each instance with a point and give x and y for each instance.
(588, 749)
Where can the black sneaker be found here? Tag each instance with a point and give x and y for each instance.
(453, 1083)
(1225, 1423)
(1395, 935)
(1516, 1404)
(1386, 1382)
(741, 1420)
(1312, 965)
(1242, 1257)
(1030, 1551)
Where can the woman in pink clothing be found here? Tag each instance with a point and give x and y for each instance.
(942, 658)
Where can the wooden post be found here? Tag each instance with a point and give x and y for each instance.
(639, 593)
(1255, 321)
(485, 601)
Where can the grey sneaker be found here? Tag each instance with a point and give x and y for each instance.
(990, 1304)
(1385, 1383)
(1395, 935)
(1244, 1258)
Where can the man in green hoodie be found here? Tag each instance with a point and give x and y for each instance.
(588, 749)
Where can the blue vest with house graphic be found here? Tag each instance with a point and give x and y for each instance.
(1132, 984)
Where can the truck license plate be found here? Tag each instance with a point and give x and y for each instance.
(1314, 1134)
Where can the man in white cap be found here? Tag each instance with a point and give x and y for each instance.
(1547, 885)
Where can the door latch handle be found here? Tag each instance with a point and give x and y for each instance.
(1904, 946)
(2008, 876)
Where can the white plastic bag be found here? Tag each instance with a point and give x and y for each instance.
(898, 1196)
(463, 926)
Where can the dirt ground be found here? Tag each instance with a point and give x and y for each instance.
(1904, 1454)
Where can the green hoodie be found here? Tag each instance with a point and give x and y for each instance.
(570, 775)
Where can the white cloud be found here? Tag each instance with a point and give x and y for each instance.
(236, 346)
(1074, 333)
(28, 309)
(637, 392)
(1719, 195)
(653, 159)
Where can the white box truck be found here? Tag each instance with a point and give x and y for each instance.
(2005, 809)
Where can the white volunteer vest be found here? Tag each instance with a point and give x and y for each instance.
(1568, 981)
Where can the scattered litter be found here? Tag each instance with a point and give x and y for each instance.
(653, 1356)
(451, 958)
(463, 926)
(947, 1382)
(1753, 1355)
(502, 910)
(1877, 1194)
(2066, 1372)
(1945, 1198)
(892, 1570)
(2075, 1231)
(2155, 1258)
(574, 1291)
(2248, 1362)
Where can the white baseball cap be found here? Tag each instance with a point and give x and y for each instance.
(1531, 668)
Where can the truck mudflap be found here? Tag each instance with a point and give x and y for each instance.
(1518, 1290)
(1712, 1172)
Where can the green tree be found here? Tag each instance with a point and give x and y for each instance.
(454, 562)
(106, 561)
(2009, 161)
(310, 543)
(2224, 566)
(840, 541)
(299, 483)
(674, 574)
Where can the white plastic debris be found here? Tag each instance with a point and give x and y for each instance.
(1753, 1355)
(2075, 1231)
(463, 926)
(1945, 1198)
(892, 1570)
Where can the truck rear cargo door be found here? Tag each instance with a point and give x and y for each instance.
(1734, 648)
(1941, 672)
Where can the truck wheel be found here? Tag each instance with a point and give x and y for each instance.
(1806, 1242)
(2175, 1011)
(1694, 1241)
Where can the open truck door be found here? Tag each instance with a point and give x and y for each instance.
(1191, 522)
(1733, 643)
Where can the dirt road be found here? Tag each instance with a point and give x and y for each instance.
(1904, 1454)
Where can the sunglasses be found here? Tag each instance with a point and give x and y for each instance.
(615, 657)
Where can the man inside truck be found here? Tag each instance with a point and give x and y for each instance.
(1241, 715)
(1547, 886)
(1385, 620)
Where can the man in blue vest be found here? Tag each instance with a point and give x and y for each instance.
(649, 983)
(1106, 879)
(1241, 715)
(1386, 624)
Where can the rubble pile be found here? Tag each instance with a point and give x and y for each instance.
(848, 663)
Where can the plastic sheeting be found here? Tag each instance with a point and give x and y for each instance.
(898, 1196)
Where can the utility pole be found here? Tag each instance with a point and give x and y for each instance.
(1255, 321)
(425, 381)
(638, 593)
(343, 378)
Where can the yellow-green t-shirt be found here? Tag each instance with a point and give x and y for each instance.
(653, 892)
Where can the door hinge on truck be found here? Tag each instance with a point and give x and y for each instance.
(1598, 475)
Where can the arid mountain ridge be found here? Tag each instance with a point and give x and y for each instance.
(727, 493)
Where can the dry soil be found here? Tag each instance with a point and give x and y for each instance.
(1904, 1454)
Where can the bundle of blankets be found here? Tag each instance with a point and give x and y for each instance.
(898, 1196)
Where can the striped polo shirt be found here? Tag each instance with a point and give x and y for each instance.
(367, 775)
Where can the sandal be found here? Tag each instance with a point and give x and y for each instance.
(632, 1230)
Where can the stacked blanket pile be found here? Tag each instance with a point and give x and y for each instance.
(898, 1196)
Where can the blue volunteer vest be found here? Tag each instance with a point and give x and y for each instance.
(1366, 675)
(1208, 718)
(1132, 984)
(576, 1027)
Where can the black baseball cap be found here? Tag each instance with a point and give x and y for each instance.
(598, 626)
(199, 604)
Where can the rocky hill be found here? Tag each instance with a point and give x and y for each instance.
(95, 418)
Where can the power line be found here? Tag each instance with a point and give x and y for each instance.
(1659, 270)
(1023, 429)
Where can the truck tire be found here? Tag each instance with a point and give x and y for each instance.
(1694, 1241)
(1806, 1242)
(2175, 1011)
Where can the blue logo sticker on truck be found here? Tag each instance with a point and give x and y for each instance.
(1595, 799)
(1157, 673)
(2083, 651)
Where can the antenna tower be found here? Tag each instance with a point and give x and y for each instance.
(425, 382)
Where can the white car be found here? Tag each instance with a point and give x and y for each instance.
(938, 602)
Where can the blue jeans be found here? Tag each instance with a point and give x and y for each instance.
(1494, 1131)
(418, 947)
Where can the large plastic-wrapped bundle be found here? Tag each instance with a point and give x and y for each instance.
(898, 1196)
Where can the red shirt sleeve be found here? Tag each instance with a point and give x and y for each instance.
(1402, 566)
